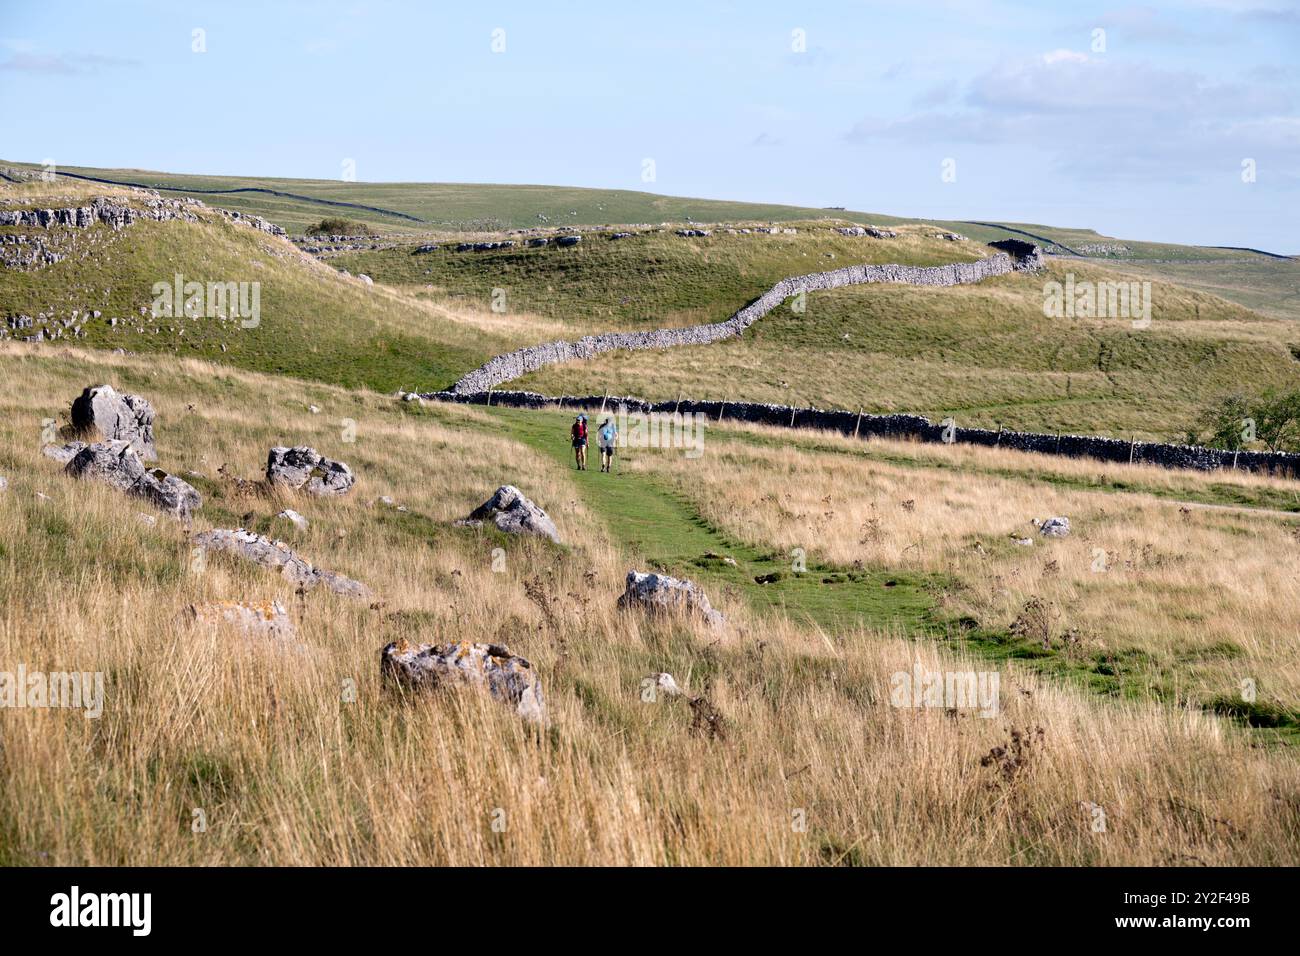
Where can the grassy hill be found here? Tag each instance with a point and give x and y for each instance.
(289, 768)
(648, 280)
(1258, 281)
(315, 323)
(1125, 674)
(985, 354)
(409, 207)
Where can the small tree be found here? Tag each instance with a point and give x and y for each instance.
(1224, 425)
(1277, 419)
(1236, 422)
(336, 226)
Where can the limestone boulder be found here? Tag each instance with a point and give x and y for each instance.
(101, 411)
(278, 556)
(506, 676)
(662, 593)
(305, 469)
(514, 513)
(63, 453)
(1055, 528)
(256, 618)
(116, 463)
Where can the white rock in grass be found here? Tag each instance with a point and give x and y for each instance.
(276, 555)
(663, 683)
(116, 463)
(63, 453)
(298, 520)
(664, 593)
(100, 409)
(262, 618)
(306, 469)
(507, 677)
(514, 513)
(1055, 528)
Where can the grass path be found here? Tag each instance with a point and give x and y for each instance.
(660, 529)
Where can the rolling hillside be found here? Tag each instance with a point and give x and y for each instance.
(314, 322)
(985, 354)
(1269, 283)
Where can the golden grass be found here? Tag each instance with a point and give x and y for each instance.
(287, 771)
(1183, 582)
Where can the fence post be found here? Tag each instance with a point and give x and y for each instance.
(721, 409)
(1132, 445)
(858, 423)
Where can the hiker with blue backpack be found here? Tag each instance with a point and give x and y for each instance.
(608, 438)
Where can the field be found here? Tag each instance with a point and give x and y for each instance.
(984, 354)
(813, 766)
(1149, 701)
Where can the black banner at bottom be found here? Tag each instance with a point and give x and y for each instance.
(215, 906)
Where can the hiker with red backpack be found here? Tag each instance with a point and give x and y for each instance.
(579, 433)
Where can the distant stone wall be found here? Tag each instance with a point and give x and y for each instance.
(912, 427)
(512, 365)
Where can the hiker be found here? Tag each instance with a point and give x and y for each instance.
(579, 432)
(607, 436)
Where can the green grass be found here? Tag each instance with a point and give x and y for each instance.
(984, 354)
(1270, 286)
(1127, 674)
(658, 527)
(314, 323)
(447, 206)
(649, 280)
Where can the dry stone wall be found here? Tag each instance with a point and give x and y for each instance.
(913, 427)
(511, 365)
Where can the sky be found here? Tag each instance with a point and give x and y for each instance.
(1161, 121)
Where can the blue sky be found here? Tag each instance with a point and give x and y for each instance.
(1143, 136)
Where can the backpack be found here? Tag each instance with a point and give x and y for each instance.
(607, 434)
(579, 429)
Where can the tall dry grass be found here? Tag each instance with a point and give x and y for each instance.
(262, 738)
(1210, 588)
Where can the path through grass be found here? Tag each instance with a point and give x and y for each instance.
(661, 530)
